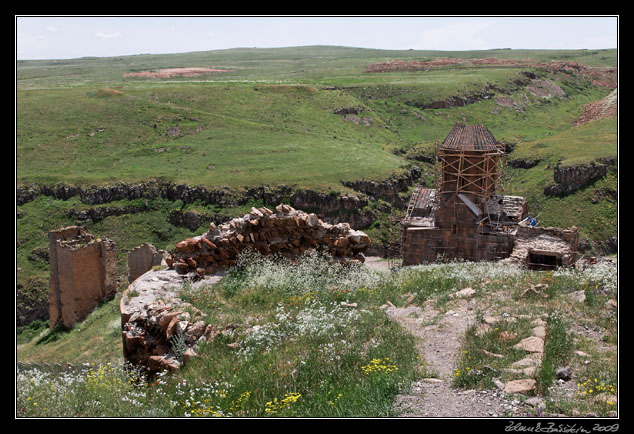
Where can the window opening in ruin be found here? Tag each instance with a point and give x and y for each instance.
(543, 261)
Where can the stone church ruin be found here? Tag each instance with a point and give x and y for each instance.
(467, 217)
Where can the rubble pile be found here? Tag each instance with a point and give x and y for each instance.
(286, 232)
(160, 331)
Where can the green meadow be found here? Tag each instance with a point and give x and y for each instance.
(271, 118)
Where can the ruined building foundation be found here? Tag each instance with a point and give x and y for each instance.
(83, 272)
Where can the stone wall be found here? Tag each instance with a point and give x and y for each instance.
(286, 232)
(562, 242)
(83, 272)
(152, 314)
(429, 244)
(141, 259)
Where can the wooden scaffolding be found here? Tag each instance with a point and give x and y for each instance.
(470, 162)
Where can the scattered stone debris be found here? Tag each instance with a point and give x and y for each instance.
(602, 108)
(286, 232)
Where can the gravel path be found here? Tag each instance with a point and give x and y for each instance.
(440, 338)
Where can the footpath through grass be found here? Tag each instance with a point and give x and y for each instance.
(311, 340)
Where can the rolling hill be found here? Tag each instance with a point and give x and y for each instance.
(266, 125)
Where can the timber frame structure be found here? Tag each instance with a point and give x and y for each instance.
(470, 162)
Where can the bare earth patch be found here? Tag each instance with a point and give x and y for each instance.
(599, 109)
(176, 72)
(440, 341)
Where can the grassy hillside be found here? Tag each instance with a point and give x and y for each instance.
(272, 119)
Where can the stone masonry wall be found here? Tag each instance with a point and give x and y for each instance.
(152, 314)
(141, 259)
(422, 245)
(83, 272)
(562, 241)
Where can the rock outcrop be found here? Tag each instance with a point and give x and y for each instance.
(572, 178)
(388, 189)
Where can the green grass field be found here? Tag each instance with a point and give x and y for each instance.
(270, 120)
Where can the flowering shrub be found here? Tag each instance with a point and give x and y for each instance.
(277, 406)
(603, 273)
(379, 366)
(593, 387)
(313, 273)
(312, 322)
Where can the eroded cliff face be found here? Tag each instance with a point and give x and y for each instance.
(334, 207)
(572, 178)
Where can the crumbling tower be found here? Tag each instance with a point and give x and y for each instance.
(83, 273)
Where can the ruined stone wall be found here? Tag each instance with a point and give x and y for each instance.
(546, 239)
(152, 314)
(286, 232)
(429, 244)
(83, 272)
(141, 259)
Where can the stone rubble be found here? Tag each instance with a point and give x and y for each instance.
(160, 331)
(286, 232)
(152, 314)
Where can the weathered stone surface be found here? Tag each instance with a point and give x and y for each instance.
(539, 331)
(564, 373)
(578, 296)
(520, 386)
(141, 259)
(526, 362)
(287, 232)
(571, 178)
(464, 293)
(83, 273)
(532, 344)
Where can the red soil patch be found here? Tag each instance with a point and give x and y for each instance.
(600, 76)
(599, 109)
(176, 72)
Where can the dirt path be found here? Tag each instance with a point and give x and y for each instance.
(440, 338)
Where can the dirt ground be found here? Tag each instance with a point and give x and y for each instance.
(440, 339)
(175, 72)
(596, 110)
(439, 336)
(600, 76)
